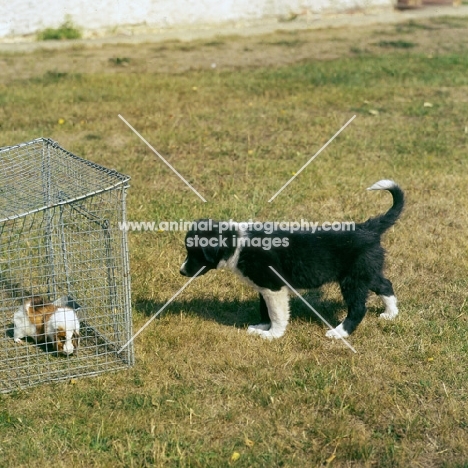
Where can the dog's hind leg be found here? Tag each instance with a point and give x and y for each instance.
(383, 287)
(355, 295)
(274, 306)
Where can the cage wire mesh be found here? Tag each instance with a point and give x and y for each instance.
(60, 239)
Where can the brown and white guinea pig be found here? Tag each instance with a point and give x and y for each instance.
(47, 322)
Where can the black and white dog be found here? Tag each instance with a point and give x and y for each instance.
(353, 258)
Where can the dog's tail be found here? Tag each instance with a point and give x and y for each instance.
(383, 222)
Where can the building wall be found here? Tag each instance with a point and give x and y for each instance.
(18, 17)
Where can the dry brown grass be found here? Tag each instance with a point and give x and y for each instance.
(202, 389)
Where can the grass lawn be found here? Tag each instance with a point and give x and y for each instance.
(203, 393)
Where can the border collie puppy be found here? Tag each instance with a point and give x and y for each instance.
(352, 258)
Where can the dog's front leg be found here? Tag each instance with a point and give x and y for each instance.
(265, 322)
(277, 304)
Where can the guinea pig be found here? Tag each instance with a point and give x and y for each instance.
(46, 322)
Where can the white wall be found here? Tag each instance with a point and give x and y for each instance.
(18, 17)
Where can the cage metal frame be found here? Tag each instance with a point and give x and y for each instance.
(59, 237)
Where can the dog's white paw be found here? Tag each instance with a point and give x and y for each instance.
(270, 334)
(337, 333)
(255, 329)
(388, 315)
(19, 340)
(391, 309)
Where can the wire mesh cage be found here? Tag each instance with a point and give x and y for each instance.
(60, 241)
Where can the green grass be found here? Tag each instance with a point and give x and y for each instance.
(65, 31)
(412, 26)
(399, 44)
(216, 43)
(286, 43)
(201, 388)
(120, 61)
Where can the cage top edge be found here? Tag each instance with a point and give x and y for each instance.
(65, 202)
(48, 141)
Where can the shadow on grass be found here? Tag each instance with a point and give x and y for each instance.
(243, 313)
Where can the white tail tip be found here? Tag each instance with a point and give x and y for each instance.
(384, 184)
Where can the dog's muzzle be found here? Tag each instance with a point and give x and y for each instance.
(182, 270)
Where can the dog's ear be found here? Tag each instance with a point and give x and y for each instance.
(210, 253)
